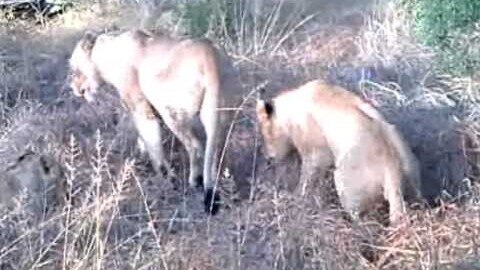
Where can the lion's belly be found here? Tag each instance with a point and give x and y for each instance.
(173, 94)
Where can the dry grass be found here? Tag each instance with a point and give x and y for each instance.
(122, 216)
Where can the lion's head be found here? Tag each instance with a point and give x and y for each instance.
(38, 174)
(83, 78)
(277, 142)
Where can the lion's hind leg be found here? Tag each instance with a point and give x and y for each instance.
(394, 195)
(148, 127)
(187, 128)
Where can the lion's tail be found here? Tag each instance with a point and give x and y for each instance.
(209, 115)
(409, 163)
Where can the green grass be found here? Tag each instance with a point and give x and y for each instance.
(451, 28)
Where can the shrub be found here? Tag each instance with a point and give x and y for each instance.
(206, 17)
(241, 26)
(451, 28)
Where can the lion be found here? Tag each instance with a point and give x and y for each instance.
(189, 84)
(37, 176)
(327, 125)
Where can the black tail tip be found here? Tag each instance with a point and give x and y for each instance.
(212, 201)
(199, 182)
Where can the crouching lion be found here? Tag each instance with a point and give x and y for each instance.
(327, 125)
(38, 177)
(187, 83)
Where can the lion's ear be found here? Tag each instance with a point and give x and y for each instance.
(265, 109)
(88, 40)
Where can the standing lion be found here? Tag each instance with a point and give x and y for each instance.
(327, 125)
(188, 83)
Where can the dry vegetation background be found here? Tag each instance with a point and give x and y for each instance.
(121, 216)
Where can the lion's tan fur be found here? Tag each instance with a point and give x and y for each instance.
(328, 125)
(184, 81)
(39, 177)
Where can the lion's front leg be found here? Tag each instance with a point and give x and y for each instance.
(314, 165)
(306, 175)
(141, 145)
